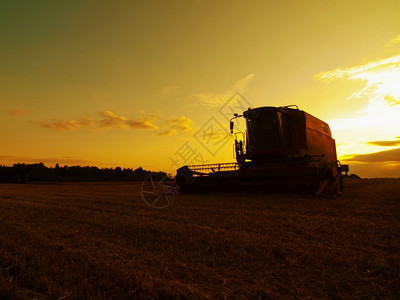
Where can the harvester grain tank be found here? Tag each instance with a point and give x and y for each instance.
(283, 149)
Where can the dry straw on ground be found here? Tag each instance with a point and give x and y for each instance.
(99, 240)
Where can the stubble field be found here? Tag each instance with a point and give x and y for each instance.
(100, 240)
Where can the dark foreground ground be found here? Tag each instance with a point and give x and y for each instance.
(100, 240)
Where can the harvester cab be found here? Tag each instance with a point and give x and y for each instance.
(282, 149)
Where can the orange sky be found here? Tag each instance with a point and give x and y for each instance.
(138, 84)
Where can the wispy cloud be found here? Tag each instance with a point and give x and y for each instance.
(110, 119)
(382, 156)
(242, 84)
(182, 124)
(213, 99)
(393, 41)
(58, 124)
(144, 122)
(378, 121)
(381, 79)
(168, 132)
(386, 143)
(18, 112)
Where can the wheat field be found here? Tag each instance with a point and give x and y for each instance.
(101, 241)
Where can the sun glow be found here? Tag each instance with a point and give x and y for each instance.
(379, 119)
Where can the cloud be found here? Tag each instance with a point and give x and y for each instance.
(168, 132)
(362, 71)
(144, 122)
(18, 112)
(58, 124)
(85, 121)
(382, 156)
(391, 101)
(218, 99)
(393, 41)
(378, 121)
(381, 79)
(182, 123)
(375, 169)
(386, 143)
(215, 135)
(110, 119)
(242, 84)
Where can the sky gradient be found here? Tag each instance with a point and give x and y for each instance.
(146, 83)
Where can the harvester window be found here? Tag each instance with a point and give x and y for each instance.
(286, 131)
(263, 131)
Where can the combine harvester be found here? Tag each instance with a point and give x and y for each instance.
(283, 149)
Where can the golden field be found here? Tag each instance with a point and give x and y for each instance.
(100, 240)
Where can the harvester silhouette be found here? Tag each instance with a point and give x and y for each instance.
(283, 149)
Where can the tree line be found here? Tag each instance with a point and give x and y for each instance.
(23, 173)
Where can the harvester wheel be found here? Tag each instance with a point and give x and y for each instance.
(331, 186)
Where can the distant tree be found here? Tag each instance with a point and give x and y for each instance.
(21, 173)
